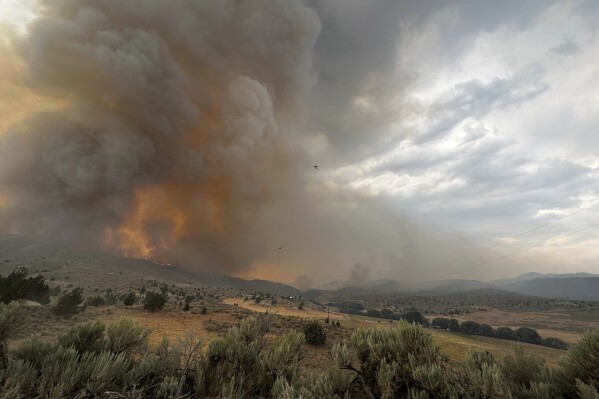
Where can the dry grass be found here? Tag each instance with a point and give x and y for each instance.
(173, 323)
(549, 324)
(282, 310)
(456, 345)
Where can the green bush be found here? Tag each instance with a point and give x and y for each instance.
(88, 337)
(553, 342)
(154, 301)
(527, 375)
(581, 363)
(17, 285)
(68, 304)
(314, 333)
(396, 363)
(528, 335)
(483, 377)
(110, 298)
(126, 337)
(33, 351)
(12, 320)
(129, 299)
(95, 301)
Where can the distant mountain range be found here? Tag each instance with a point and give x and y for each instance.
(96, 268)
(558, 286)
(582, 286)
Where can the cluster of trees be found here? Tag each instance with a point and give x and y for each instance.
(411, 316)
(348, 307)
(522, 334)
(94, 360)
(19, 285)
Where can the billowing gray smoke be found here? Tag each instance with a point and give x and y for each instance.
(176, 135)
(176, 127)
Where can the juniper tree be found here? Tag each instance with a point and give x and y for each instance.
(68, 304)
(154, 301)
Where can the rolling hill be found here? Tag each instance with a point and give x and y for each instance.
(91, 269)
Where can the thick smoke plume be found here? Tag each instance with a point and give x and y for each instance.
(177, 126)
(175, 134)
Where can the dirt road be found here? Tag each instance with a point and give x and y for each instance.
(284, 310)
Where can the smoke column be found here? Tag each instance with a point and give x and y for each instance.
(175, 133)
(177, 125)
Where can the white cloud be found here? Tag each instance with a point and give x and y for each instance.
(500, 133)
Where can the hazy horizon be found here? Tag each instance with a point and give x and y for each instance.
(306, 141)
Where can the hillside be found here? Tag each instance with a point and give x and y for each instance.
(455, 285)
(90, 269)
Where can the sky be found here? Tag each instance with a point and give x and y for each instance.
(453, 139)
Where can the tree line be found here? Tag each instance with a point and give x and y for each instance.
(411, 316)
(522, 334)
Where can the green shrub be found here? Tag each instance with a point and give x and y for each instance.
(553, 342)
(527, 375)
(168, 388)
(110, 298)
(526, 334)
(239, 365)
(504, 333)
(68, 304)
(95, 301)
(126, 337)
(88, 337)
(33, 351)
(18, 286)
(483, 377)
(12, 320)
(395, 363)
(154, 301)
(581, 363)
(314, 333)
(129, 299)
